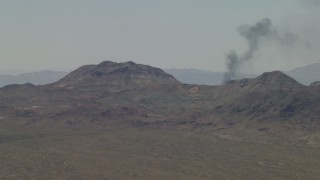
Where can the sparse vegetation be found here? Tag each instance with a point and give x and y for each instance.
(147, 153)
(99, 127)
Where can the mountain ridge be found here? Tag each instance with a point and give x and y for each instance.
(117, 74)
(275, 79)
(305, 75)
(115, 93)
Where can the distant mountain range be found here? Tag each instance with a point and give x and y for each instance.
(196, 76)
(87, 122)
(142, 95)
(36, 78)
(305, 75)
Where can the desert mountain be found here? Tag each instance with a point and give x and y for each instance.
(304, 75)
(108, 73)
(127, 118)
(268, 80)
(141, 95)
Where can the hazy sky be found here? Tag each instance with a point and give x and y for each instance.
(48, 34)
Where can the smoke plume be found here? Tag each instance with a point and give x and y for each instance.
(254, 35)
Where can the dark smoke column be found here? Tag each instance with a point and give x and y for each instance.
(262, 30)
(252, 35)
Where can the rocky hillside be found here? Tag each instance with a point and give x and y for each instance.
(128, 74)
(140, 95)
(268, 80)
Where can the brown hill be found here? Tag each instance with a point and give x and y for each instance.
(130, 121)
(272, 97)
(140, 95)
(128, 74)
(268, 80)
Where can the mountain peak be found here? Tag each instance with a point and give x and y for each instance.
(273, 75)
(117, 74)
(274, 79)
(277, 79)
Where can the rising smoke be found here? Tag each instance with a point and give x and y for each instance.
(255, 35)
